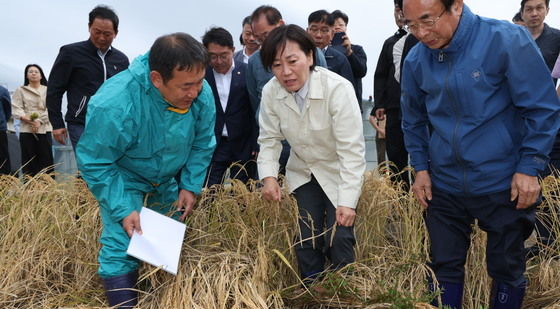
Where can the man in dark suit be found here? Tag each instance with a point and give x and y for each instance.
(353, 52)
(236, 128)
(320, 27)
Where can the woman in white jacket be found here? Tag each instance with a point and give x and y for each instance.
(28, 105)
(316, 111)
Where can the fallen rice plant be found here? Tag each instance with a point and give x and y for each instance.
(238, 253)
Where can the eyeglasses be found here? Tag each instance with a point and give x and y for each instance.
(530, 9)
(423, 24)
(322, 30)
(223, 57)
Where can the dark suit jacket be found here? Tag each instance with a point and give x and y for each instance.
(238, 116)
(337, 62)
(358, 64)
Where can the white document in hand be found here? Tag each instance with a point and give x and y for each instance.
(161, 240)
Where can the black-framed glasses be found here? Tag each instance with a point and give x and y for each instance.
(323, 31)
(223, 57)
(423, 24)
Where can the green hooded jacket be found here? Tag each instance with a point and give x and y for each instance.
(133, 145)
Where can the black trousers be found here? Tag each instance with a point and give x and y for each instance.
(449, 219)
(318, 214)
(15, 152)
(381, 149)
(222, 160)
(4, 154)
(36, 153)
(394, 139)
(284, 156)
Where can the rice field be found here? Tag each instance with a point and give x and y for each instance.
(238, 253)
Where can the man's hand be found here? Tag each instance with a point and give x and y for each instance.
(347, 44)
(271, 190)
(422, 188)
(372, 120)
(380, 114)
(526, 189)
(345, 216)
(185, 203)
(380, 130)
(60, 135)
(132, 223)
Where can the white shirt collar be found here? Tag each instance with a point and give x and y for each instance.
(228, 72)
(102, 54)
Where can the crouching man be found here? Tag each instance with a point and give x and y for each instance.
(143, 127)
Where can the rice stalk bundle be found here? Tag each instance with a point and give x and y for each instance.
(238, 253)
(48, 243)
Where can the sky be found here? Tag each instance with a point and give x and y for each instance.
(34, 30)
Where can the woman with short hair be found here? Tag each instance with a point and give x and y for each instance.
(315, 110)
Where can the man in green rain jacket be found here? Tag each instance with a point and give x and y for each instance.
(143, 127)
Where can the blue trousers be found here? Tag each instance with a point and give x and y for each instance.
(75, 131)
(449, 220)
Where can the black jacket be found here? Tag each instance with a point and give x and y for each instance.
(78, 71)
(549, 45)
(239, 117)
(338, 63)
(358, 64)
(386, 89)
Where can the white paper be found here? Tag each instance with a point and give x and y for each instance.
(161, 240)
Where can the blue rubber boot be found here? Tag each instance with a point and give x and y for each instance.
(451, 295)
(120, 290)
(505, 296)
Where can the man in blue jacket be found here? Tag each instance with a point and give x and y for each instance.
(143, 127)
(5, 114)
(79, 70)
(486, 93)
